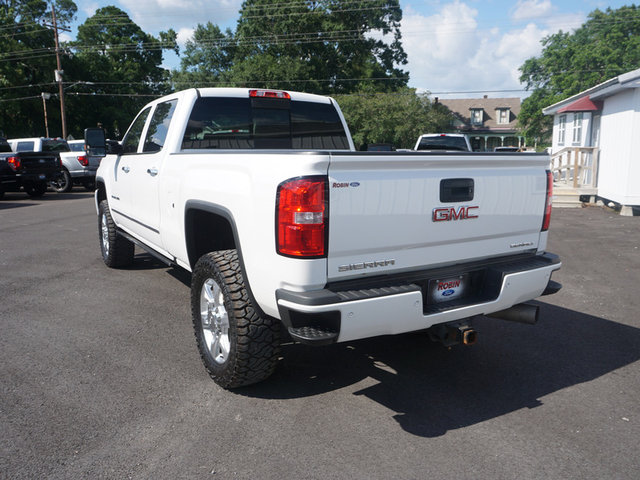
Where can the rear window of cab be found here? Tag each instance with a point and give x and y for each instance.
(263, 123)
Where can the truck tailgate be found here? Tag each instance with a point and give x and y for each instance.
(397, 212)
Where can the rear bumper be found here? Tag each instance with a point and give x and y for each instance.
(88, 173)
(383, 306)
(18, 180)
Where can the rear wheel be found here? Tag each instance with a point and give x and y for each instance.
(62, 183)
(237, 345)
(35, 189)
(116, 250)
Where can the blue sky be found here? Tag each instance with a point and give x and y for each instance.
(457, 48)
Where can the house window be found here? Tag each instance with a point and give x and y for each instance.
(504, 115)
(577, 128)
(477, 116)
(562, 125)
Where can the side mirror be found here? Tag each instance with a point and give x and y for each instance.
(95, 143)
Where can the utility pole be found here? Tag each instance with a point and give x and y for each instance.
(45, 97)
(59, 72)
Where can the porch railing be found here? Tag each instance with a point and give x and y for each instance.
(576, 167)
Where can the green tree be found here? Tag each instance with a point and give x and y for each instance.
(382, 117)
(27, 64)
(323, 46)
(122, 64)
(207, 58)
(607, 45)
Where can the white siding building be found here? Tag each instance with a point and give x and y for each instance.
(606, 117)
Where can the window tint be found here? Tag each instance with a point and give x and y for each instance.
(131, 141)
(24, 147)
(55, 146)
(157, 133)
(242, 123)
(443, 143)
(317, 126)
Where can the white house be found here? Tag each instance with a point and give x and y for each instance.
(601, 128)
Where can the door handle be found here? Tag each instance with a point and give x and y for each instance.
(125, 169)
(152, 171)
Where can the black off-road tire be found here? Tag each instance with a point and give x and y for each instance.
(35, 189)
(63, 182)
(116, 250)
(251, 346)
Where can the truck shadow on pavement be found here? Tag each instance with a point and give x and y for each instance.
(19, 199)
(430, 390)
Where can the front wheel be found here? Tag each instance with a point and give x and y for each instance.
(237, 345)
(117, 251)
(62, 182)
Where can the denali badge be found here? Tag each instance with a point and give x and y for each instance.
(446, 214)
(365, 265)
(521, 244)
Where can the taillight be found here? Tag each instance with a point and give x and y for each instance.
(84, 160)
(301, 217)
(269, 94)
(14, 163)
(547, 206)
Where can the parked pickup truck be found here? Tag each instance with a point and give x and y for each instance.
(26, 170)
(78, 167)
(443, 141)
(261, 195)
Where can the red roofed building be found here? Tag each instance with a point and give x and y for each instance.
(596, 142)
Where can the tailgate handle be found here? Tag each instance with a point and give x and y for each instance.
(456, 190)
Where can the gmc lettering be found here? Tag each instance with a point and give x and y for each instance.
(447, 214)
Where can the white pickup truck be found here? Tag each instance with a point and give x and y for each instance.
(287, 230)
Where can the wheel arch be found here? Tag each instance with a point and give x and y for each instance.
(208, 228)
(100, 192)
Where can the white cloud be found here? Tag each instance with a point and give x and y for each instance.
(90, 8)
(156, 15)
(530, 9)
(567, 22)
(451, 52)
(184, 34)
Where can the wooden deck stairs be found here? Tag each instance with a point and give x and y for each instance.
(575, 173)
(567, 197)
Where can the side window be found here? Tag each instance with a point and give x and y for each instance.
(131, 141)
(25, 147)
(562, 125)
(157, 133)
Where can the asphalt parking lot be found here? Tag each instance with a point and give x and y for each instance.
(100, 375)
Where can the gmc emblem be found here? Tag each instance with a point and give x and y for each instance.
(446, 214)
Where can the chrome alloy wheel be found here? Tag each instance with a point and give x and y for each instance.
(104, 230)
(215, 321)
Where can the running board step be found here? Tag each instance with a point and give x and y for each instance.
(313, 335)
